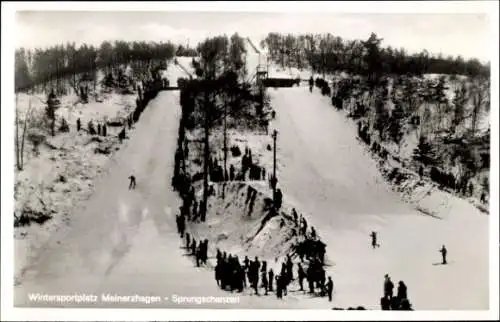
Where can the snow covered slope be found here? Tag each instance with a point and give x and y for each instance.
(329, 175)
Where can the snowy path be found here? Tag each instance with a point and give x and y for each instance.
(329, 176)
(124, 241)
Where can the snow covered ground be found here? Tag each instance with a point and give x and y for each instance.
(125, 242)
(63, 172)
(328, 173)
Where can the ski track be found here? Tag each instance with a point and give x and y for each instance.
(335, 181)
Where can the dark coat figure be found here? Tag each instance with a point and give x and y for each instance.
(98, 128)
(246, 262)
(278, 199)
(304, 227)
(231, 172)
(483, 197)
(78, 124)
(302, 275)
(177, 221)
(188, 239)
(182, 225)
(402, 291)
(373, 235)
(388, 287)
(205, 252)
(313, 233)
(193, 247)
(195, 208)
(219, 255)
(310, 278)
(104, 130)
(219, 273)
(385, 304)
(322, 280)
(198, 251)
(122, 135)
(443, 252)
(132, 182)
(271, 279)
(283, 272)
(395, 302)
(329, 288)
(264, 281)
(289, 269)
(284, 283)
(295, 216)
(263, 174)
(279, 290)
(91, 128)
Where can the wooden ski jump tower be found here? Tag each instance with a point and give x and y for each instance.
(262, 69)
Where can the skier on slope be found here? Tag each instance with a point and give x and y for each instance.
(132, 182)
(373, 235)
(443, 252)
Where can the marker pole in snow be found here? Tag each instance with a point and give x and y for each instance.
(275, 181)
(225, 151)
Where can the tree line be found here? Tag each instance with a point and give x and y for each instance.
(220, 90)
(50, 65)
(326, 53)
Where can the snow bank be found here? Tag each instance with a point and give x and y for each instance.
(61, 174)
(240, 226)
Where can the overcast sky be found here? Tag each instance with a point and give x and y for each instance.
(468, 35)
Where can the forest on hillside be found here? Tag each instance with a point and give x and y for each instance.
(44, 66)
(327, 53)
(443, 118)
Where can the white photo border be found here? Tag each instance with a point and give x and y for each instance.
(8, 312)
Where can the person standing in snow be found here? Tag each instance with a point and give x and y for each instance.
(188, 237)
(443, 252)
(279, 291)
(302, 275)
(388, 287)
(402, 291)
(78, 124)
(329, 288)
(295, 216)
(310, 279)
(193, 247)
(177, 221)
(313, 233)
(132, 182)
(264, 281)
(304, 226)
(182, 225)
(373, 235)
(289, 268)
(271, 279)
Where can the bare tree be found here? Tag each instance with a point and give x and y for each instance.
(479, 93)
(20, 145)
